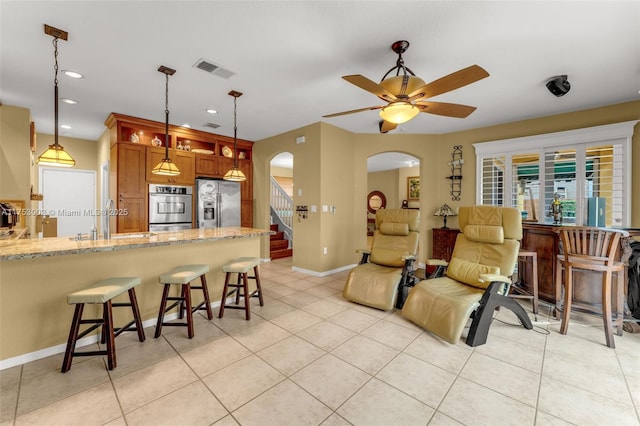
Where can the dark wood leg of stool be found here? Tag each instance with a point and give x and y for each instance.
(108, 325)
(238, 284)
(163, 303)
(73, 335)
(255, 270)
(225, 289)
(247, 295)
(136, 314)
(181, 307)
(205, 292)
(186, 291)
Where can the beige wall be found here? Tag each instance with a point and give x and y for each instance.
(281, 171)
(386, 182)
(15, 153)
(433, 152)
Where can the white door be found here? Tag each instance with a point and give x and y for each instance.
(69, 195)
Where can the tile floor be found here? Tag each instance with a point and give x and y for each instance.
(309, 357)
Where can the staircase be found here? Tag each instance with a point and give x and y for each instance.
(279, 246)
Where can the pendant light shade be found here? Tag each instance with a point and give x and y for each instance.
(235, 174)
(56, 155)
(166, 166)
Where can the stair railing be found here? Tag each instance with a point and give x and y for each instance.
(281, 207)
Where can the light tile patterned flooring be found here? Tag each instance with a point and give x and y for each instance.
(309, 357)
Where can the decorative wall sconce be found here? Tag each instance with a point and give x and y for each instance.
(456, 172)
(302, 211)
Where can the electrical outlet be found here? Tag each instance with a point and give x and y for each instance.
(324, 250)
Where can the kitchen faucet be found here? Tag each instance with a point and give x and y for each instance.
(107, 230)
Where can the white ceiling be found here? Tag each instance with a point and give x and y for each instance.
(288, 58)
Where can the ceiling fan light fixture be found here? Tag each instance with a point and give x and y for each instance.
(399, 112)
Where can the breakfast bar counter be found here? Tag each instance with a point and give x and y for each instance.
(37, 274)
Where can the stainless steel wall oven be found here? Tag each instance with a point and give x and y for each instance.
(170, 207)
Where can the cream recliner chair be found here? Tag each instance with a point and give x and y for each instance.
(388, 266)
(477, 278)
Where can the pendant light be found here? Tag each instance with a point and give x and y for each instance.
(235, 174)
(55, 155)
(166, 167)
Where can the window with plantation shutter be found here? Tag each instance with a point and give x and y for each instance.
(588, 169)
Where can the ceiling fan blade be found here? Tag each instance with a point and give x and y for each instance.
(446, 109)
(386, 126)
(370, 86)
(450, 82)
(352, 111)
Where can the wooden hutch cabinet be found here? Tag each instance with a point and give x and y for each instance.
(443, 241)
(135, 151)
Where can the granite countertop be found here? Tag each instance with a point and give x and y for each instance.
(42, 247)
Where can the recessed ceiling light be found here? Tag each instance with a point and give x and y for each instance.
(212, 111)
(65, 126)
(187, 125)
(69, 101)
(72, 74)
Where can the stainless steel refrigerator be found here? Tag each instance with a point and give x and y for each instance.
(218, 203)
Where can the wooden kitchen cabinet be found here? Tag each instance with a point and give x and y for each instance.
(185, 161)
(133, 172)
(128, 188)
(443, 241)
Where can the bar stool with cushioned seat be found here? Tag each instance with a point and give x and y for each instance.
(183, 275)
(241, 267)
(102, 293)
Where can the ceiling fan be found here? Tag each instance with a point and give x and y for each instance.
(405, 93)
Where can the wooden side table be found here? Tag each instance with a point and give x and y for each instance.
(443, 241)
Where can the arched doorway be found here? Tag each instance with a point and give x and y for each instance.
(394, 177)
(281, 205)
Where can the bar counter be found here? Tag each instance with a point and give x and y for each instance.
(37, 274)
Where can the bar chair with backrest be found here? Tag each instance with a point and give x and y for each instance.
(591, 249)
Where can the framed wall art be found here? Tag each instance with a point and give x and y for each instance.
(413, 188)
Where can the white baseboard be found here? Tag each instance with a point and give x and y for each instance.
(324, 273)
(85, 341)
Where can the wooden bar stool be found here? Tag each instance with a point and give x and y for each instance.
(241, 267)
(102, 292)
(524, 256)
(183, 275)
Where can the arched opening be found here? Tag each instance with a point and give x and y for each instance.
(392, 177)
(281, 205)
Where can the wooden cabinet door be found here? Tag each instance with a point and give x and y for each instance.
(444, 240)
(246, 188)
(130, 169)
(246, 213)
(186, 164)
(132, 215)
(207, 165)
(183, 160)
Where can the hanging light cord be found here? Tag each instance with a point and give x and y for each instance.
(166, 117)
(55, 90)
(235, 132)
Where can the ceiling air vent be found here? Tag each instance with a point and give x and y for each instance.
(212, 125)
(211, 68)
